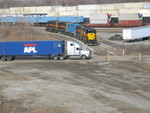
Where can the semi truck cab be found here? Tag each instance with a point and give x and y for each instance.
(75, 49)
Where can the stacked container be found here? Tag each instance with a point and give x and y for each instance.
(98, 19)
(146, 6)
(129, 20)
(145, 14)
(68, 11)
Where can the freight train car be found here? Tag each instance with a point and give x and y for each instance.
(146, 20)
(38, 21)
(79, 31)
(52, 26)
(56, 26)
(123, 20)
(86, 34)
(62, 26)
(71, 29)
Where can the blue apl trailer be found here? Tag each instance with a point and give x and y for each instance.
(8, 50)
(58, 49)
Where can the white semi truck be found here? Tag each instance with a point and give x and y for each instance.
(56, 49)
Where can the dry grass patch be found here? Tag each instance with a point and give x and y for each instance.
(22, 33)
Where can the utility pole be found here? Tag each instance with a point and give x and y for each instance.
(76, 4)
(8, 16)
(9, 7)
(36, 7)
(77, 13)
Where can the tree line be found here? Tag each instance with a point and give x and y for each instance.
(24, 3)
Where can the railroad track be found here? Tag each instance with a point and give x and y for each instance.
(109, 29)
(103, 49)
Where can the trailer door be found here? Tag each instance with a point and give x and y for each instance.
(59, 47)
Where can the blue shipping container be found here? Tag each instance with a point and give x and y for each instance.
(71, 19)
(27, 48)
(41, 19)
(28, 19)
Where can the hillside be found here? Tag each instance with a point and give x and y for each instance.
(16, 3)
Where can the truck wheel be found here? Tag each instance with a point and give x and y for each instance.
(55, 57)
(83, 57)
(3, 58)
(13, 58)
(61, 57)
(9, 58)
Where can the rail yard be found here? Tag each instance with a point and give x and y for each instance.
(40, 71)
(115, 80)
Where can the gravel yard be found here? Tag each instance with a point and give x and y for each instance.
(38, 85)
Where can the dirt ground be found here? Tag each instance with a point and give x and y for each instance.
(38, 85)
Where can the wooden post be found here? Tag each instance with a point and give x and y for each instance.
(140, 57)
(123, 52)
(115, 51)
(106, 54)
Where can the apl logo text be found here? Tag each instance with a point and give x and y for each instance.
(30, 48)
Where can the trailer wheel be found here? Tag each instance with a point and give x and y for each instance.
(9, 58)
(3, 58)
(83, 57)
(13, 58)
(61, 57)
(55, 57)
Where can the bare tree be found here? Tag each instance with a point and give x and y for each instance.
(16, 3)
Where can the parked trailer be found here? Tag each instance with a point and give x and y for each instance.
(59, 49)
(136, 33)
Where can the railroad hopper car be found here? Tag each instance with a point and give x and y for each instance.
(58, 49)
